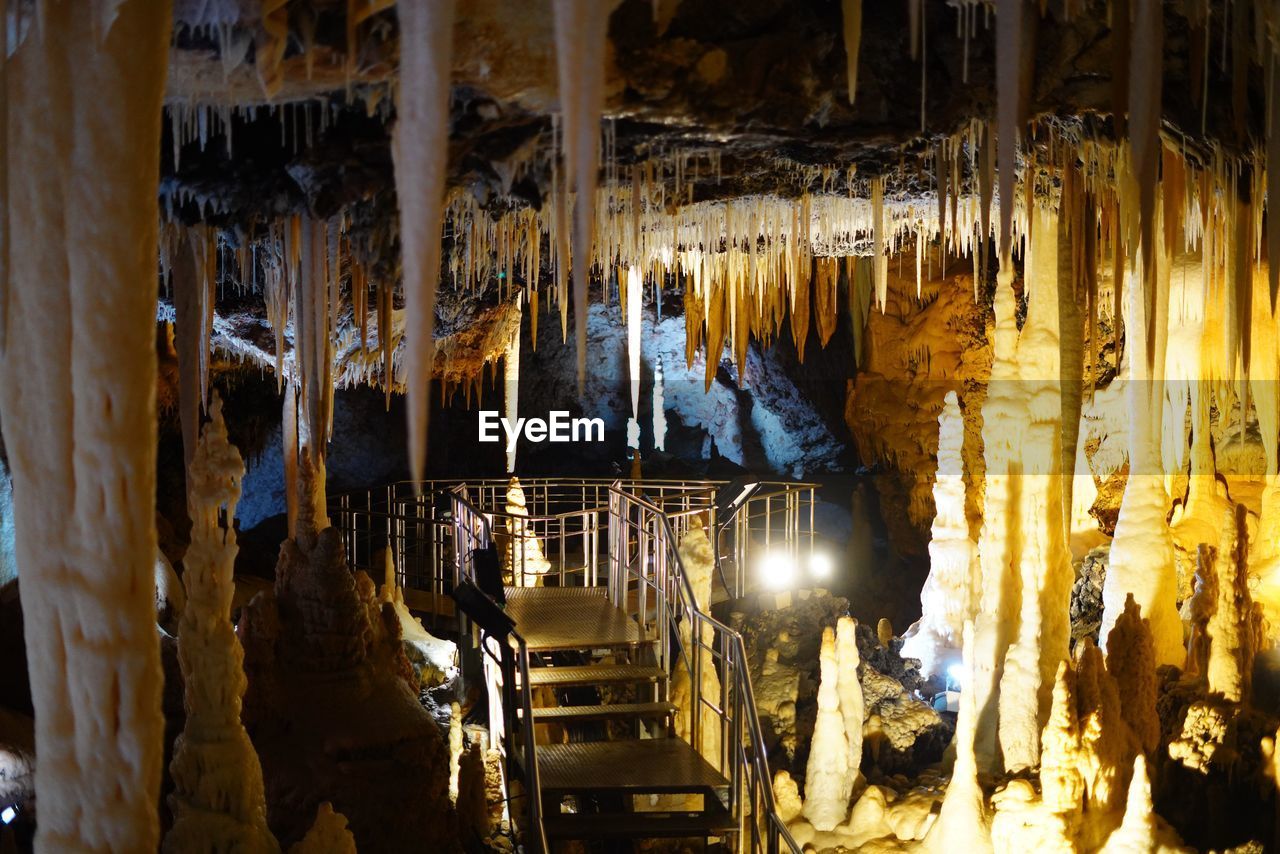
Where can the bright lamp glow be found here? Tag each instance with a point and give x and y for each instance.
(8, 814)
(955, 673)
(777, 571)
(820, 565)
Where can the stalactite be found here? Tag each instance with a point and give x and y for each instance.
(826, 291)
(77, 392)
(633, 299)
(1145, 79)
(191, 303)
(1008, 88)
(852, 16)
(511, 389)
(582, 29)
(659, 409)
(420, 148)
(289, 437)
(878, 236)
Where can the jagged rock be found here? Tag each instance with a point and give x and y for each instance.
(332, 706)
(1086, 596)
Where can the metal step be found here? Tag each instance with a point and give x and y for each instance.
(640, 825)
(560, 619)
(595, 674)
(630, 767)
(618, 711)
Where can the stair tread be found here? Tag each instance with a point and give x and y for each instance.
(570, 618)
(595, 674)
(616, 710)
(635, 766)
(638, 825)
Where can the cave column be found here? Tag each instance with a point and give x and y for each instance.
(77, 397)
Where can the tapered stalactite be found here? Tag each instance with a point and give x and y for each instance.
(511, 391)
(77, 393)
(852, 18)
(191, 332)
(420, 149)
(659, 408)
(582, 30)
(1146, 74)
(634, 296)
(1008, 89)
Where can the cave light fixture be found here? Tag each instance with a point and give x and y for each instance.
(8, 814)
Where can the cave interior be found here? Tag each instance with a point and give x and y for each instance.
(639, 425)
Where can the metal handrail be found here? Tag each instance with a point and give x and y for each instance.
(473, 528)
(742, 740)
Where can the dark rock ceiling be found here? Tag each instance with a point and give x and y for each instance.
(761, 83)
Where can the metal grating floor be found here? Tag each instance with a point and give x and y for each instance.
(569, 618)
(653, 765)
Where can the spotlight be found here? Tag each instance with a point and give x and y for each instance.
(820, 566)
(777, 571)
(955, 673)
(8, 814)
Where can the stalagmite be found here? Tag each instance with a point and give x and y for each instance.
(420, 149)
(582, 30)
(698, 559)
(1142, 831)
(963, 823)
(77, 393)
(826, 779)
(850, 690)
(948, 597)
(521, 548)
(218, 800)
(1142, 560)
(1232, 624)
(1131, 662)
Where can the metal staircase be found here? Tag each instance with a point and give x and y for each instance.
(594, 662)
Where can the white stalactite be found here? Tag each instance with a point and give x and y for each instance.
(420, 149)
(77, 393)
(634, 296)
(659, 408)
(582, 31)
(511, 391)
